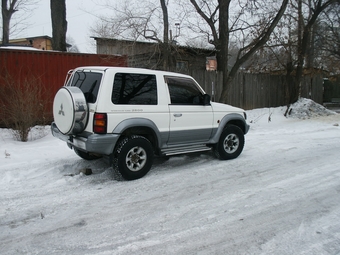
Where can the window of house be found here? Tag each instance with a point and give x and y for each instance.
(129, 88)
(183, 91)
(182, 66)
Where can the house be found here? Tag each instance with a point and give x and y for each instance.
(148, 54)
(38, 42)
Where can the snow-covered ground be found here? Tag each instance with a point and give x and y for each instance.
(281, 196)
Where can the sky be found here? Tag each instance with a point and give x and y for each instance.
(81, 14)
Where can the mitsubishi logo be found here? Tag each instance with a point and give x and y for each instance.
(61, 112)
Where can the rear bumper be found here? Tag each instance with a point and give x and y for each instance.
(94, 143)
(56, 133)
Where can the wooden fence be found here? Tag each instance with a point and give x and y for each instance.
(331, 89)
(250, 91)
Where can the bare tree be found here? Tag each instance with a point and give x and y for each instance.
(146, 22)
(59, 24)
(7, 12)
(307, 47)
(223, 27)
(166, 47)
(304, 33)
(73, 48)
(328, 39)
(8, 9)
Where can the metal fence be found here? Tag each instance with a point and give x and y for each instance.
(48, 68)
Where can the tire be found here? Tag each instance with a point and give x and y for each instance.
(230, 144)
(85, 155)
(133, 157)
(70, 111)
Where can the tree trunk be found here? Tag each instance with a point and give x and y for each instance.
(304, 35)
(5, 26)
(165, 47)
(7, 13)
(222, 46)
(59, 24)
(249, 51)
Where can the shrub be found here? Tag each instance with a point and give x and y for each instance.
(23, 103)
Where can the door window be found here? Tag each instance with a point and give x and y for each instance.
(183, 91)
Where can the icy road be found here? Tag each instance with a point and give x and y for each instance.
(281, 196)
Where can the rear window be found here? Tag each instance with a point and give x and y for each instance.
(88, 82)
(130, 88)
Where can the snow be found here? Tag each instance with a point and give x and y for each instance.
(281, 196)
(19, 48)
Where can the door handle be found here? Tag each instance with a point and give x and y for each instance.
(177, 114)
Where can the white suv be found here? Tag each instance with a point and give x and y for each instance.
(131, 114)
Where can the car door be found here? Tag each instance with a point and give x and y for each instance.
(190, 119)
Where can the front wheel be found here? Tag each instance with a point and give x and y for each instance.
(230, 144)
(133, 157)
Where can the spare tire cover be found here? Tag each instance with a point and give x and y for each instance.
(70, 111)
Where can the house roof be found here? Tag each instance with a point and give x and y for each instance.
(18, 40)
(185, 48)
(30, 38)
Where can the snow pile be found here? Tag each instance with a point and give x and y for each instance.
(302, 109)
(306, 108)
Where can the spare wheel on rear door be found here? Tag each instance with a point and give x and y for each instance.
(70, 111)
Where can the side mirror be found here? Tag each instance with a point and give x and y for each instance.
(206, 99)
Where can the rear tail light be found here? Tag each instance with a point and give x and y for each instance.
(100, 123)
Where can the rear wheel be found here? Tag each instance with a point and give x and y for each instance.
(133, 157)
(231, 143)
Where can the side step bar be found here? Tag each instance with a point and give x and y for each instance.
(184, 149)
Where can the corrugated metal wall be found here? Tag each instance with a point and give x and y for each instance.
(49, 67)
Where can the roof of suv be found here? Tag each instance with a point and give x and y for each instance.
(130, 69)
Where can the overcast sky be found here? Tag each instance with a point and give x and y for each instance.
(80, 17)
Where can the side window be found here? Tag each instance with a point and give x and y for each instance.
(88, 82)
(184, 91)
(131, 88)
